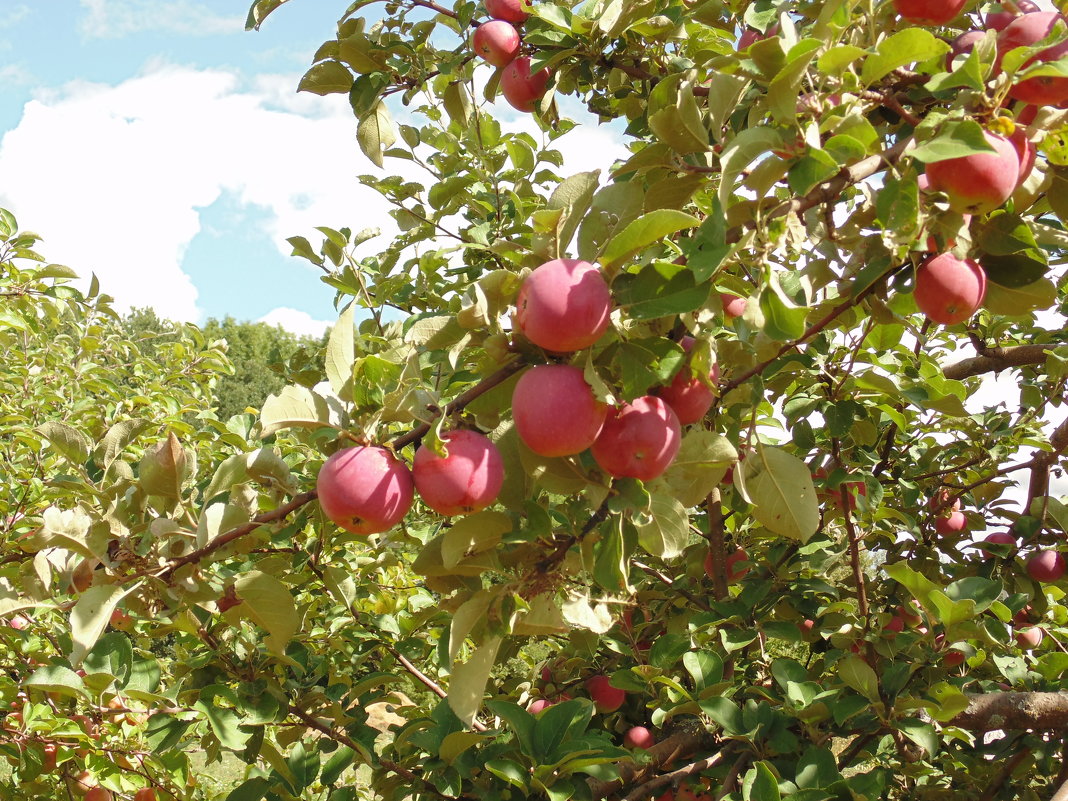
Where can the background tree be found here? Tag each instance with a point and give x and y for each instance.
(593, 527)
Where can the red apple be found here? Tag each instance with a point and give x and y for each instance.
(510, 10)
(751, 36)
(365, 489)
(687, 395)
(833, 495)
(734, 573)
(1046, 566)
(999, 20)
(466, 480)
(19, 622)
(949, 290)
(1026, 151)
(962, 45)
(521, 89)
(978, 183)
(998, 538)
(639, 737)
(929, 12)
(497, 42)
(98, 793)
(951, 523)
(1029, 638)
(121, 620)
(538, 704)
(604, 696)
(953, 658)
(555, 411)
(894, 626)
(145, 794)
(639, 439)
(940, 500)
(733, 306)
(564, 305)
(806, 626)
(1025, 31)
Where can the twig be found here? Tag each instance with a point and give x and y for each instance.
(663, 780)
(717, 544)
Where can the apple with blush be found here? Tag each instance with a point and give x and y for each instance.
(952, 523)
(467, 480)
(980, 182)
(733, 306)
(508, 10)
(999, 20)
(555, 411)
(605, 697)
(365, 490)
(949, 290)
(929, 12)
(639, 439)
(1029, 639)
(1046, 566)
(564, 305)
(522, 89)
(639, 737)
(1028, 30)
(687, 395)
(496, 42)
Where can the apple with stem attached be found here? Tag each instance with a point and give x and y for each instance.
(639, 439)
(564, 305)
(365, 490)
(687, 395)
(929, 12)
(496, 41)
(949, 290)
(522, 89)
(466, 480)
(980, 182)
(555, 411)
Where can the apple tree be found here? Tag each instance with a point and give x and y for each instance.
(729, 474)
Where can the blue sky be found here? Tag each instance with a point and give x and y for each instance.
(163, 147)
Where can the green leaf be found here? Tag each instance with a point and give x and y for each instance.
(658, 290)
(645, 231)
(784, 320)
(509, 771)
(269, 604)
(326, 77)
(708, 247)
(164, 732)
(668, 532)
(724, 713)
(473, 534)
(573, 195)
(337, 764)
(164, 468)
(468, 683)
(118, 438)
(521, 721)
(760, 784)
(303, 765)
(975, 588)
(375, 133)
(71, 444)
(57, 679)
(779, 485)
(703, 459)
(900, 49)
(557, 724)
(257, 13)
(224, 723)
(705, 667)
(90, 616)
(1040, 294)
(858, 675)
(740, 152)
(294, 407)
(953, 141)
(817, 768)
(341, 353)
(923, 734)
(610, 566)
(613, 208)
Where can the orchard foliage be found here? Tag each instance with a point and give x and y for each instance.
(792, 608)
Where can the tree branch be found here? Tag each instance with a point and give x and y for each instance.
(677, 745)
(1014, 711)
(997, 359)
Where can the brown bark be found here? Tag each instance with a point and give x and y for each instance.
(1014, 711)
(997, 359)
(663, 753)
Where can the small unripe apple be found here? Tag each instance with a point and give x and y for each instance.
(998, 538)
(466, 480)
(555, 411)
(733, 306)
(1046, 566)
(978, 183)
(999, 20)
(949, 290)
(733, 571)
(639, 737)
(951, 523)
(1029, 638)
(564, 305)
(687, 395)
(962, 45)
(929, 12)
(1028, 30)
(521, 89)
(365, 490)
(604, 696)
(510, 10)
(639, 439)
(497, 42)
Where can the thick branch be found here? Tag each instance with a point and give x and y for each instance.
(1014, 711)
(997, 359)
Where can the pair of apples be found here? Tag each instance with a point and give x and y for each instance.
(498, 43)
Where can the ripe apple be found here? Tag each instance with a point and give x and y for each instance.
(733, 306)
(734, 573)
(833, 495)
(604, 696)
(145, 794)
(639, 439)
(751, 36)
(555, 411)
(1026, 151)
(894, 626)
(521, 89)
(962, 45)
(1029, 638)
(19, 622)
(564, 305)
(687, 395)
(929, 12)
(98, 793)
(1025, 31)
(978, 183)
(949, 290)
(806, 626)
(466, 480)
(1046, 566)
(942, 497)
(639, 737)
(121, 620)
(999, 20)
(365, 490)
(509, 10)
(998, 538)
(951, 523)
(538, 704)
(82, 783)
(953, 658)
(496, 41)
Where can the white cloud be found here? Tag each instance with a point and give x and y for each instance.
(13, 15)
(296, 321)
(107, 19)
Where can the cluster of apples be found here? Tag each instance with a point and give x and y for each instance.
(565, 306)
(498, 43)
